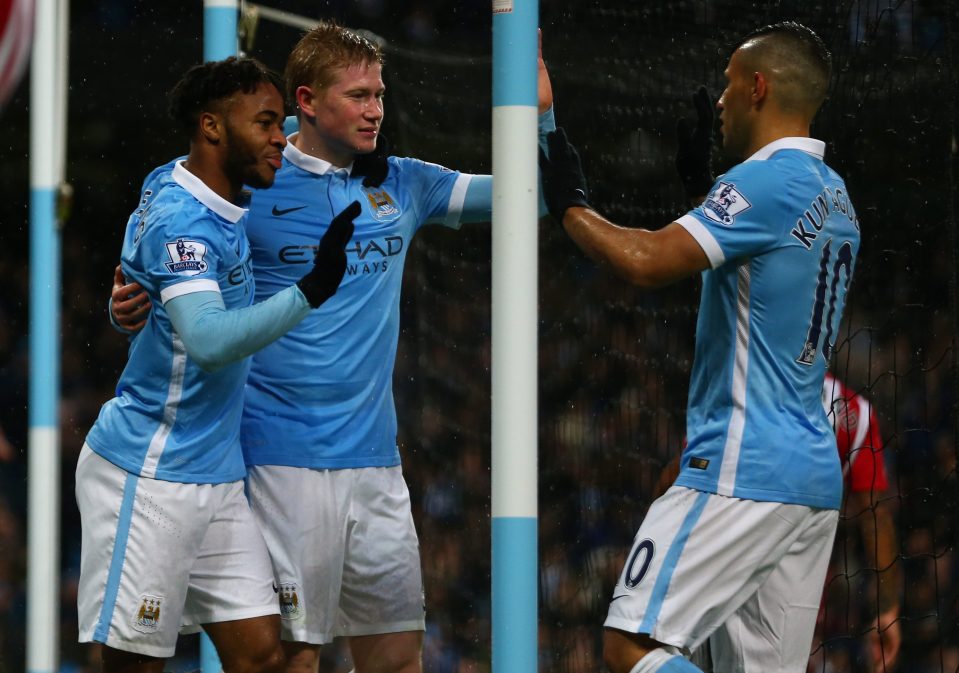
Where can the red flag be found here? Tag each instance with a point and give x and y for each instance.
(16, 34)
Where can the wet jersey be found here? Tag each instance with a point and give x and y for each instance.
(170, 419)
(781, 236)
(321, 396)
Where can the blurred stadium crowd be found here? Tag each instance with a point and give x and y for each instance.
(613, 362)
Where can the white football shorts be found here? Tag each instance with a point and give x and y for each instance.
(158, 554)
(747, 571)
(344, 550)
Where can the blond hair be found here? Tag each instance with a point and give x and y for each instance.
(323, 50)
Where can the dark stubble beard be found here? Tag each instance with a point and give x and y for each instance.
(242, 163)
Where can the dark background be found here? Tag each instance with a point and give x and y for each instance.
(614, 361)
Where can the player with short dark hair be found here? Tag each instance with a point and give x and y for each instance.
(745, 531)
(319, 425)
(168, 536)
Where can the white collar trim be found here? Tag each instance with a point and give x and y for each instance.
(202, 193)
(308, 162)
(817, 148)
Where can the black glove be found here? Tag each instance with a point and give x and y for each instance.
(373, 167)
(564, 184)
(329, 263)
(695, 145)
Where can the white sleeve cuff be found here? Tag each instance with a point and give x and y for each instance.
(457, 199)
(705, 239)
(188, 287)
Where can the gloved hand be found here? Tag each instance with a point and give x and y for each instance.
(329, 263)
(373, 167)
(695, 145)
(564, 184)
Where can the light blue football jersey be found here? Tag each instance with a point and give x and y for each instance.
(781, 236)
(321, 396)
(171, 420)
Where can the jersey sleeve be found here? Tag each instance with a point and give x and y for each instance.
(438, 192)
(741, 216)
(177, 253)
(867, 469)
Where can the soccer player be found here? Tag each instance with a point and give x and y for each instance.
(167, 535)
(319, 423)
(861, 454)
(745, 531)
(860, 448)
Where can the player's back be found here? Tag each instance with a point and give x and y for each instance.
(785, 237)
(170, 419)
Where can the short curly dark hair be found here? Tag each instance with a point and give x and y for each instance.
(205, 87)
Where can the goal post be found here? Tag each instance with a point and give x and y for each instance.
(514, 338)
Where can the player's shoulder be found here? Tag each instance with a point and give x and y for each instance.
(411, 167)
(174, 212)
(159, 177)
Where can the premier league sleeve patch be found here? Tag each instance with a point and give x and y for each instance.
(186, 257)
(725, 203)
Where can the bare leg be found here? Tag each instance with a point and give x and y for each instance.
(388, 652)
(301, 657)
(248, 645)
(118, 661)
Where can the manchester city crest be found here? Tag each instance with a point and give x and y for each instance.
(289, 600)
(382, 204)
(146, 619)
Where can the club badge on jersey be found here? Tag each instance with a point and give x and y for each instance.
(147, 617)
(186, 257)
(383, 205)
(725, 203)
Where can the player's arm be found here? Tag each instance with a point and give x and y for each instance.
(478, 201)
(878, 533)
(645, 258)
(868, 482)
(129, 304)
(215, 337)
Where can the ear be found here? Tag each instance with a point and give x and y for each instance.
(760, 88)
(210, 127)
(306, 100)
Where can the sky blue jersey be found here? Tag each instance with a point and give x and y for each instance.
(171, 420)
(781, 236)
(321, 396)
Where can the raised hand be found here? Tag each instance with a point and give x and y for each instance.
(329, 263)
(564, 184)
(694, 147)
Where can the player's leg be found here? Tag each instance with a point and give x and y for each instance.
(382, 607)
(696, 559)
(638, 653)
(248, 645)
(773, 630)
(231, 590)
(302, 514)
(140, 537)
(388, 652)
(301, 657)
(118, 661)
